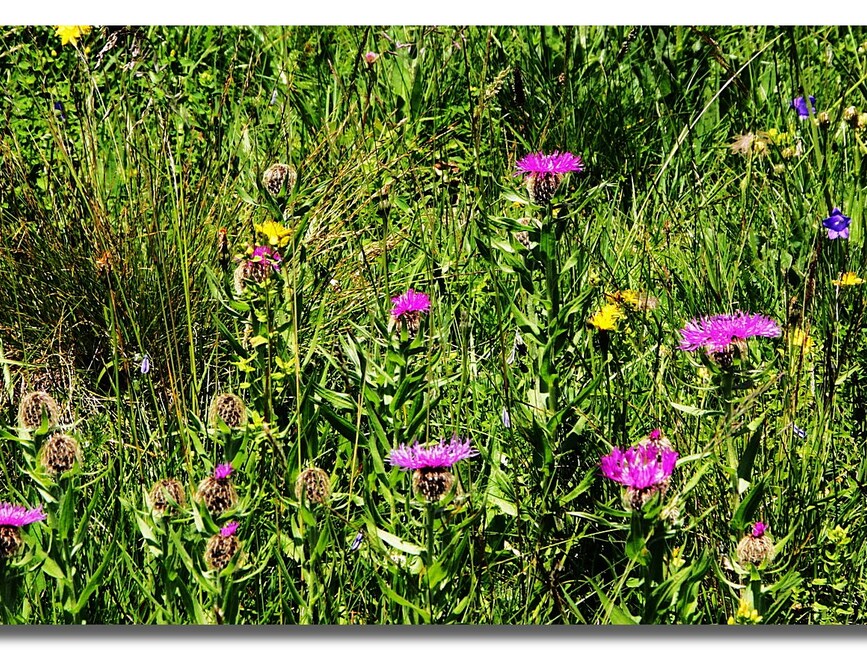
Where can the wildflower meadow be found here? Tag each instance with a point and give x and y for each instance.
(433, 325)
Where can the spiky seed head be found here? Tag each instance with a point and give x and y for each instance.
(314, 485)
(278, 176)
(229, 408)
(163, 493)
(755, 550)
(220, 551)
(850, 116)
(542, 185)
(218, 495)
(59, 454)
(10, 541)
(31, 407)
(432, 483)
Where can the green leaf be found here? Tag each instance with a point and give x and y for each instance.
(396, 542)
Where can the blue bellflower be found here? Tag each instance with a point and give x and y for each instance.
(800, 105)
(837, 224)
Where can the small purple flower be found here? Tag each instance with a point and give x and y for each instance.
(18, 516)
(799, 431)
(759, 529)
(717, 333)
(442, 454)
(223, 471)
(266, 258)
(370, 58)
(229, 529)
(655, 435)
(504, 416)
(837, 225)
(356, 543)
(554, 163)
(641, 467)
(145, 367)
(800, 105)
(411, 302)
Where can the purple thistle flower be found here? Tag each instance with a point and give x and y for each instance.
(716, 333)
(837, 224)
(441, 454)
(223, 471)
(18, 516)
(759, 529)
(229, 529)
(800, 106)
(640, 467)
(410, 302)
(554, 163)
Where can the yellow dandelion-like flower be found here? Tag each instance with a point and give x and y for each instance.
(607, 317)
(628, 296)
(848, 279)
(71, 33)
(798, 338)
(277, 234)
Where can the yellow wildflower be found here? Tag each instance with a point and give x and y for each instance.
(848, 279)
(607, 317)
(71, 33)
(746, 614)
(798, 338)
(277, 234)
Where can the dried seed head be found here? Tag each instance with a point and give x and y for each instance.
(862, 121)
(218, 495)
(850, 116)
(277, 176)
(220, 551)
(10, 541)
(163, 493)
(823, 119)
(31, 408)
(314, 484)
(59, 453)
(432, 483)
(229, 408)
(542, 186)
(755, 550)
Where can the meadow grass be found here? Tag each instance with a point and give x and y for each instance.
(134, 188)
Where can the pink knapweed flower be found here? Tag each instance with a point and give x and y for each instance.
(223, 471)
(759, 528)
(545, 171)
(18, 516)
(229, 529)
(640, 467)
(717, 333)
(266, 258)
(370, 58)
(411, 301)
(442, 454)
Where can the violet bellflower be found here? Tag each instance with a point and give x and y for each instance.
(837, 224)
(800, 105)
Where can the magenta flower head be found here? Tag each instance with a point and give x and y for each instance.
(408, 309)
(229, 529)
(266, 258)
(544, 172)
(759, 528)
(640, 467)
(801, 108)
(370, 58)
(442, 454)
(12, 518)
(18, 516)
(223, 471)
(837, 224)
(431, 477)
(724, 335)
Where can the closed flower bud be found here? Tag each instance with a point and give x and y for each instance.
(229, 408)
(32, 407)
(314, 485)
(59, 454)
